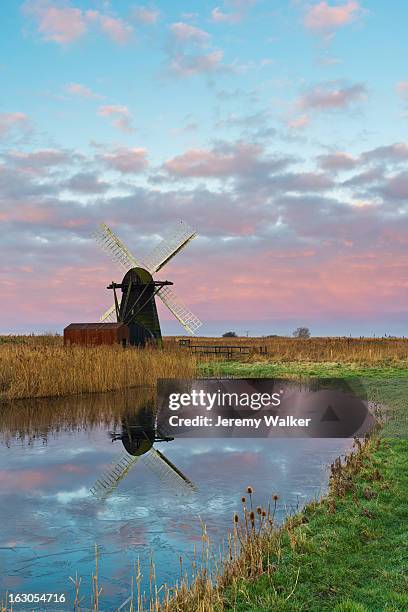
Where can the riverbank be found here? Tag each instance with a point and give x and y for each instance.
(348, 552)
(345, 553)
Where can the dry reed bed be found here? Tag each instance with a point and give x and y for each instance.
(42, 371)
(344, 350)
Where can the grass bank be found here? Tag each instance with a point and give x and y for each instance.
(46, 370)
(348, 552)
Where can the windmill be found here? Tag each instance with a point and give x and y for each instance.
(137, 306)
(139, 434)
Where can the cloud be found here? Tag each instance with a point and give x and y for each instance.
(121, 117)
(125, 160)
(225, 160)
(184, 59)
(237, 12)
(298, 123)
(369, 177)
(394, 153)
(60, 24)
(76, 89)
(344, 255)
(336, 162)
(12, 121)
(219, 17)
(86, 183)
(329, 96)
(40, 161)
(396, 188)
(64, 24)
(402, 89)
(186, 65)
(145, 15)
(116, 29)
(184, 32)
(324, 18)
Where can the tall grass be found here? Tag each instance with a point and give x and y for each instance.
(344, 350)
(42, 371)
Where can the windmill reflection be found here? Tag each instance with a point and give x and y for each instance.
(138, 435)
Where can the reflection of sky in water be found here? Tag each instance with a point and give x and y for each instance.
(49, 522)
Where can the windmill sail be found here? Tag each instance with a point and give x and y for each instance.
(115, 248)
(167, 471)
(109, 316)
(188, 320)
(107, 483)
(176, 239)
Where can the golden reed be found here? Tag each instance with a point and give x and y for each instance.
(342, 350)
(29, 370)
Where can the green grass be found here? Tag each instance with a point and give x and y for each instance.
(354, 558)
(386, 384)
(350, 554)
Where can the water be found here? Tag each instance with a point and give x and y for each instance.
(53, 452)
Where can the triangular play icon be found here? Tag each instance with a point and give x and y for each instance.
(329, 415)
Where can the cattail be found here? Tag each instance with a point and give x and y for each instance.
(243, 499)
(259, 510)
(250, 490)
(275, 497)
(236, 518)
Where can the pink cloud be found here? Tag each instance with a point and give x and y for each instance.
(39, 162)
(64, 24)
(397, 187)
(322, 17)
(394, 153)
(61, 24)
(76, 89)
(8, 121)
(126, 161)
(120, 115)
(402, 89)
(299, 123)
(331, 96)
(118, 30)
(219, 17)
(184, 32)
(213, 163)
(184, 65)
(337, 161)
(147, 16)
(238, 11)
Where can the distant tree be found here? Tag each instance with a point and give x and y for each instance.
(301, 332)
(230, 334)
